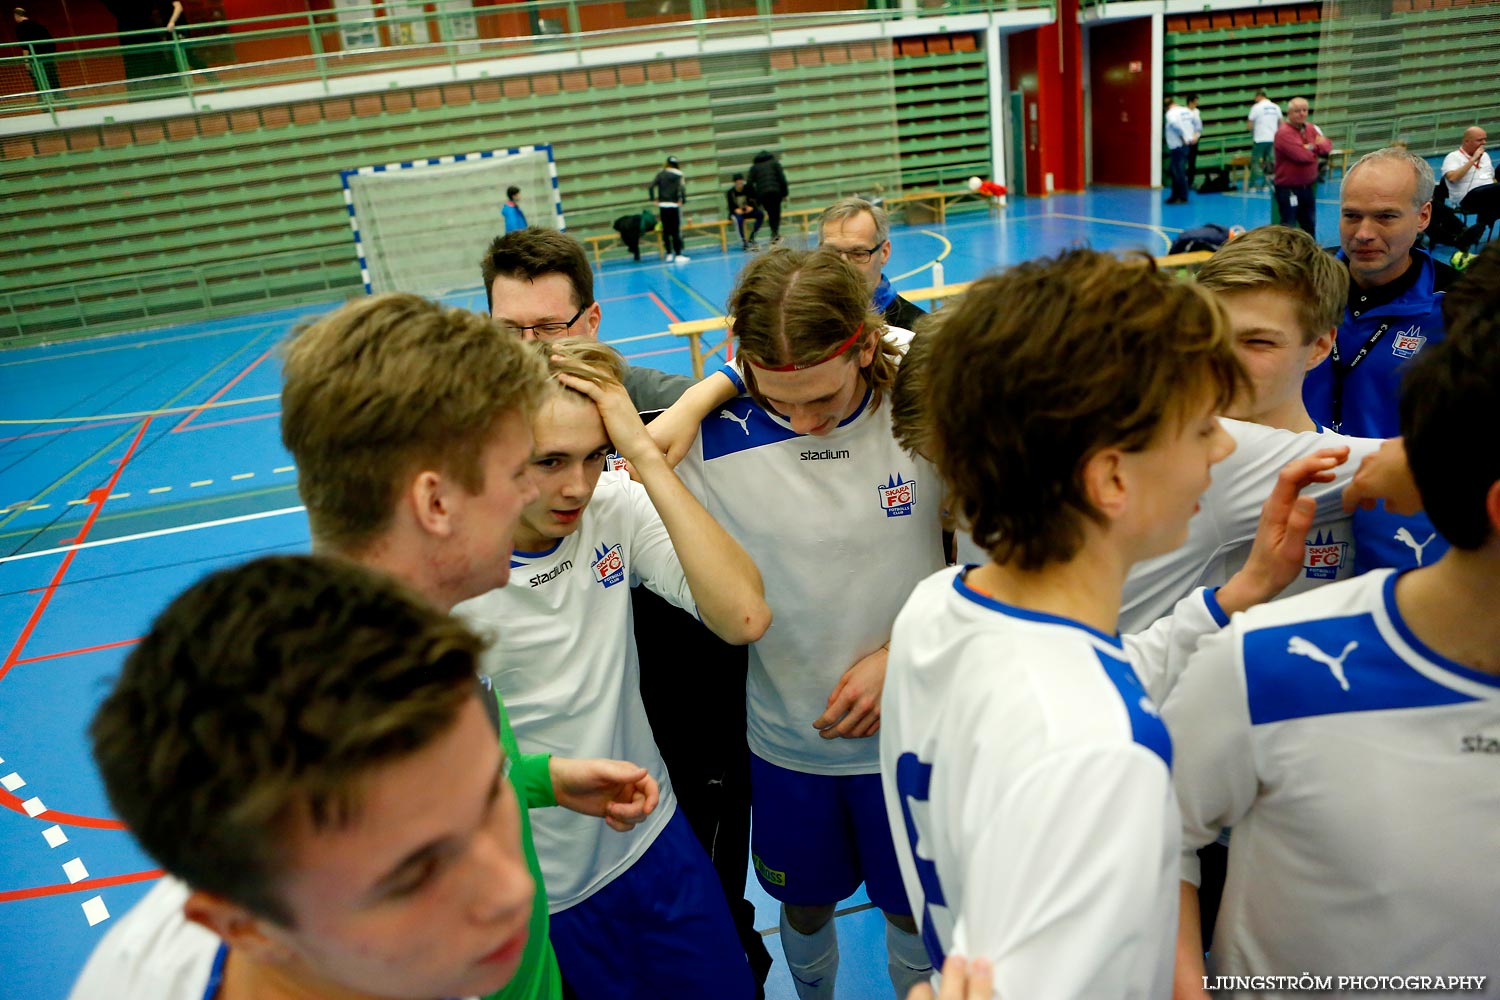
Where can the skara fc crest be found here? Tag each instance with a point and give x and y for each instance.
(898, 496)
(609, 565)
(1323, 556)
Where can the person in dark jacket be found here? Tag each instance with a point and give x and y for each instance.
(632, 227)
(37, 40)
(670, 191)
(767, 184)
(741, 207)
(860, 232)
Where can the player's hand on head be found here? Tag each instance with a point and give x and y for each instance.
(962, 980)
(853, 710)
(621, 421)
(1276, 555)
(1384, 475)
(621, 793)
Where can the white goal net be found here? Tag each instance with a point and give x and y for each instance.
(422, 226)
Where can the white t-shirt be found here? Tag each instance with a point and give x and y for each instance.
(1230, 511)
(1179, 129)
(842, 527)
(1027, 781)
(1480, 174)
(152, 953)
(1361, 773)
(563, 657)
(1264, 119)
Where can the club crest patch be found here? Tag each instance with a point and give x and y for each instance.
(1408, 343)
(615, 463)
(1323, 556)
(608, 565)
(898, 496)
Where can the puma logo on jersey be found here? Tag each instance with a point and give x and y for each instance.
(898, 496)
(744, 421)
(1149, 707)
(1322, 556)
(1299, 646)
(1407, 344)
(1406, 538)
(1480, 743)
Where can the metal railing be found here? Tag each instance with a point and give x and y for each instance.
(321, 46)
(148, 299)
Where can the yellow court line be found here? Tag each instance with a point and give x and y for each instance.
(947, 249)
(1108, 222)
(146, 413)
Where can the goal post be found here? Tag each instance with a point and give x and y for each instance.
(422, 225)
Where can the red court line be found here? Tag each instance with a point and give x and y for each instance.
(230, 385)
(12, 895)
(622, 298)
(78, 652)
(69, 430)
(98, 498)
(13, 803)
(671, 316)
(231, 420)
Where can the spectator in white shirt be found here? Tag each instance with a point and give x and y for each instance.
(1468, 166)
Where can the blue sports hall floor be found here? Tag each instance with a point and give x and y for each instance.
(132, 464)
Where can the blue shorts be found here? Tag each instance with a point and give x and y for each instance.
(815, 837)
(660, 929)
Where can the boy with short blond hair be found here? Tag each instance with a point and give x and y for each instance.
(565, 659)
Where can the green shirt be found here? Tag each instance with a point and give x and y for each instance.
(537, 976)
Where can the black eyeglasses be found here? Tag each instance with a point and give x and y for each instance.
(858, 255)
(545, 329)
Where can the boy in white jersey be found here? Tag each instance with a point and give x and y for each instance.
(565, 660)
(305, 747)
(1350, 735)
(409, 423)
(803, 469)
(1072, 411)
(1285, 296)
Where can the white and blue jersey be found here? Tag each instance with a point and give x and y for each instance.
(842, 526)
(154, 953)
(1360, 770)
(1027, 778)
(1220, 533)
(563, 657)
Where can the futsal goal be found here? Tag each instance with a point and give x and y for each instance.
(421, 226)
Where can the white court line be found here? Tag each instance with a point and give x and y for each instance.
(154, 534)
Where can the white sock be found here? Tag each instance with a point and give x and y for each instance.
(812, 958)
(906, 959)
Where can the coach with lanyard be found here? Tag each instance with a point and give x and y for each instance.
(1395, 294)
(1395, 309)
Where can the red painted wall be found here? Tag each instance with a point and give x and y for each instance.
(1120, 81)
(1046, 66)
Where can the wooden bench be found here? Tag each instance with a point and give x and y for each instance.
(693, 330)
(719, 227)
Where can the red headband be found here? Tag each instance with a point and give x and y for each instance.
(842, 348)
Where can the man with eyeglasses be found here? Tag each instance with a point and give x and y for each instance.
(860, 232)
(539, 285)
